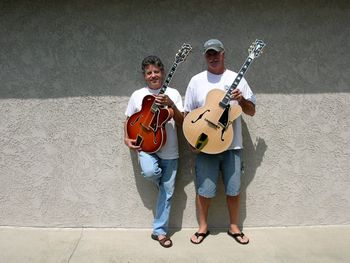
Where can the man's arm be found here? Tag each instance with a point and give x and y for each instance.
(248, 107)
(177, 115)
(129, 142)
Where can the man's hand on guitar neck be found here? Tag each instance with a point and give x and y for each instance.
(237, 95)
(163, 100)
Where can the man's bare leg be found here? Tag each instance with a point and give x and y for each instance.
(202, 204)
(233, 209)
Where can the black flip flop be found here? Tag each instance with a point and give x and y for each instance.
(236, 235)
(162, 241)
(203, 235)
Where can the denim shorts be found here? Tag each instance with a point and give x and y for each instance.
(208, 166)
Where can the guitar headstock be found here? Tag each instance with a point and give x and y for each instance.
(183, 53)
(256, 48)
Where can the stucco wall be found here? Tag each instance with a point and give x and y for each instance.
(67, 70)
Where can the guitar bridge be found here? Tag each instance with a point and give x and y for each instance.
(212, 123)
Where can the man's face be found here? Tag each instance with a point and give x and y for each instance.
(215, 61)
(153, 76)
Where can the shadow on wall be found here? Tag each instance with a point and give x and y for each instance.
(185, 177)
(59, 49)
(148, 191)
(218, 215)
(252, 157)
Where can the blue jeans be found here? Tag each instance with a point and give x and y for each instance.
(162, 172)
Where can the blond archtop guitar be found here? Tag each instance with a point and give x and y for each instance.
(148, 125)
(209, 128)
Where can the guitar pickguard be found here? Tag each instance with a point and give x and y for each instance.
(223, 121)
(155, 121)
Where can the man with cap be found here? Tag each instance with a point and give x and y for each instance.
(229, 162)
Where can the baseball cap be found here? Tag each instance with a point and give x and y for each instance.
(213, 44)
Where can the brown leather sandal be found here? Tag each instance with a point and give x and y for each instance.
(163, 241)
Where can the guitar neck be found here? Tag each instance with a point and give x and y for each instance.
(168, 78)
(165, 85)
(226, 100)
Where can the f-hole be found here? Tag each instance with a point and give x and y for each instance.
(200, 116)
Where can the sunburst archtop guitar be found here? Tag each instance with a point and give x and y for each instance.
(209, 128)
(148, 125)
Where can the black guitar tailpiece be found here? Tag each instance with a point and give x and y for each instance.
(201, 141)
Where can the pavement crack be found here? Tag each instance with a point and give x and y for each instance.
(76, 245)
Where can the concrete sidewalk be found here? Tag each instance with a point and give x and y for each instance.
(292, 244)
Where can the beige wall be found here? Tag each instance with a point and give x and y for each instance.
(67, 71)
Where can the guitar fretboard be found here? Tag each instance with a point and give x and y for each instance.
(226, 100)
(168, 79)
(165, 84)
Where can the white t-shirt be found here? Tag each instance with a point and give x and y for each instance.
(202, 83)
(170, 149)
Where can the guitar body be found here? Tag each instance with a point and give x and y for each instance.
(209, 128)
(148, 126)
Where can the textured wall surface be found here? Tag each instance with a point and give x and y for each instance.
(67, 70)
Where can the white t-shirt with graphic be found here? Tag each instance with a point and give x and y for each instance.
(170, 149)
(202, 83)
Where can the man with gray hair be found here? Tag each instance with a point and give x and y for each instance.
(229, 162)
